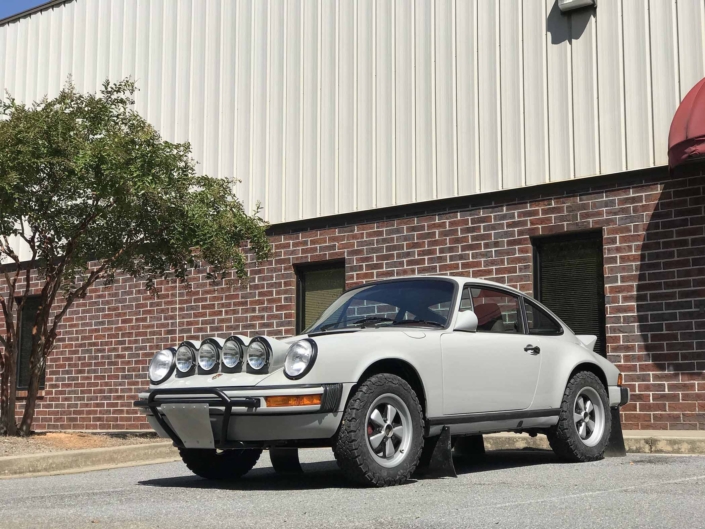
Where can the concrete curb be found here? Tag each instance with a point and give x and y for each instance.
(72, 461)
(634, 444)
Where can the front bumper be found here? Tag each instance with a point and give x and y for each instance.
(619, 396)
(238, 417)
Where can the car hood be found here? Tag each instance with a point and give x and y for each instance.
(330, 343)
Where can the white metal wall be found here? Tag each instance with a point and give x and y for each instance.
(327, 106)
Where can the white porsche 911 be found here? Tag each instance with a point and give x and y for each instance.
(389, 367)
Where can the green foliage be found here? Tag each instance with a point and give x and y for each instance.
(92, 180)
(94, 191)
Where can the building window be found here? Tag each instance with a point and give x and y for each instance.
(29, 311)
(569, 279)
(318, 286)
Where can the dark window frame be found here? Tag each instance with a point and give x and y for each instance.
(536, 242)
(18, 377)
(586, 235)
(300, 270)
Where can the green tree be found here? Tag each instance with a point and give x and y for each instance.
(92, 190)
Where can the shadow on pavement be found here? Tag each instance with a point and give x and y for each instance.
(325, 475)
(505, 459)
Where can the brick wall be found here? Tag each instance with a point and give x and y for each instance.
(654, 273)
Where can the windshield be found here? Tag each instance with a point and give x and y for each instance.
(420, 302)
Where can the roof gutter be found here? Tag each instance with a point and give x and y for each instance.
(32, 10)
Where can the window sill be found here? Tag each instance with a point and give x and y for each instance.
(22, 394)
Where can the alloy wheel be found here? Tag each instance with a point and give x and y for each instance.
(589, 416)
(389, 430)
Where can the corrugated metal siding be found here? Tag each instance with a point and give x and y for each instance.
(319, 107)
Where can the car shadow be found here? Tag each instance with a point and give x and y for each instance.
(325, 475)
(504, 459)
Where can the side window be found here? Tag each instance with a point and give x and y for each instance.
(465, 300)
(539, 321)
(497, 311)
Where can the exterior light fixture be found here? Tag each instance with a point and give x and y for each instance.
(570, 5)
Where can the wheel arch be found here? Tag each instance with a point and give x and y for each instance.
(592, 368)
(398, 367)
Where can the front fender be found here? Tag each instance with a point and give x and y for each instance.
(344, 359)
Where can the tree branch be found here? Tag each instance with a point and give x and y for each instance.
(6, 248)
(7, 316)
(11, 283)
(79, 293)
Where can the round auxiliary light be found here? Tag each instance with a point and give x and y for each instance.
(300, 359)
(184, 358)
(257, 355)
(231, 353)
(161, 366)
(207, 356)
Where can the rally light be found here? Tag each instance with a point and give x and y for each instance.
(232, 354)
(208, 355)
(185, 357)
(259, 354)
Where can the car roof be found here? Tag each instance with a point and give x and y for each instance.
(461, 280)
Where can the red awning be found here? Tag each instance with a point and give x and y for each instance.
(686, 140)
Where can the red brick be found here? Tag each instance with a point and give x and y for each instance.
(654, 265)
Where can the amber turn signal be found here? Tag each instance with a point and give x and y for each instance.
(619, 379)
(293, 400)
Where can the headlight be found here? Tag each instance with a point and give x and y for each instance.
(161, 366)
(300, 358)
(231, 354)
(208, 356)
(184, 358)
(257, 355)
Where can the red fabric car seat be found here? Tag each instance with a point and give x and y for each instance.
(489, 317)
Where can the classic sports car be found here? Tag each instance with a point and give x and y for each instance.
(388, 367)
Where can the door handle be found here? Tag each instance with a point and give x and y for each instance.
(533, 349)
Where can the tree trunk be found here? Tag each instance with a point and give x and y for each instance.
(3, 394)
(8, 392)
(36, 366)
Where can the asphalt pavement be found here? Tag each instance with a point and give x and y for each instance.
(522, 489)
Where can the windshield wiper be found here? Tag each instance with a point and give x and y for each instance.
(361, 322)
(424, 322)
(371, 319)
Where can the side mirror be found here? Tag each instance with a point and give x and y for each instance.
(466, 322)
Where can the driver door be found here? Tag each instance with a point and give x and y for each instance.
(489, 370)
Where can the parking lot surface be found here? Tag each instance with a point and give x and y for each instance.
(510, 489)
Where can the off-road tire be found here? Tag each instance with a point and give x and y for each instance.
(224, 465)
(350, 445)
(564, 438)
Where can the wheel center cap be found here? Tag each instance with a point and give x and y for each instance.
(586, 415)
(388, 430)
